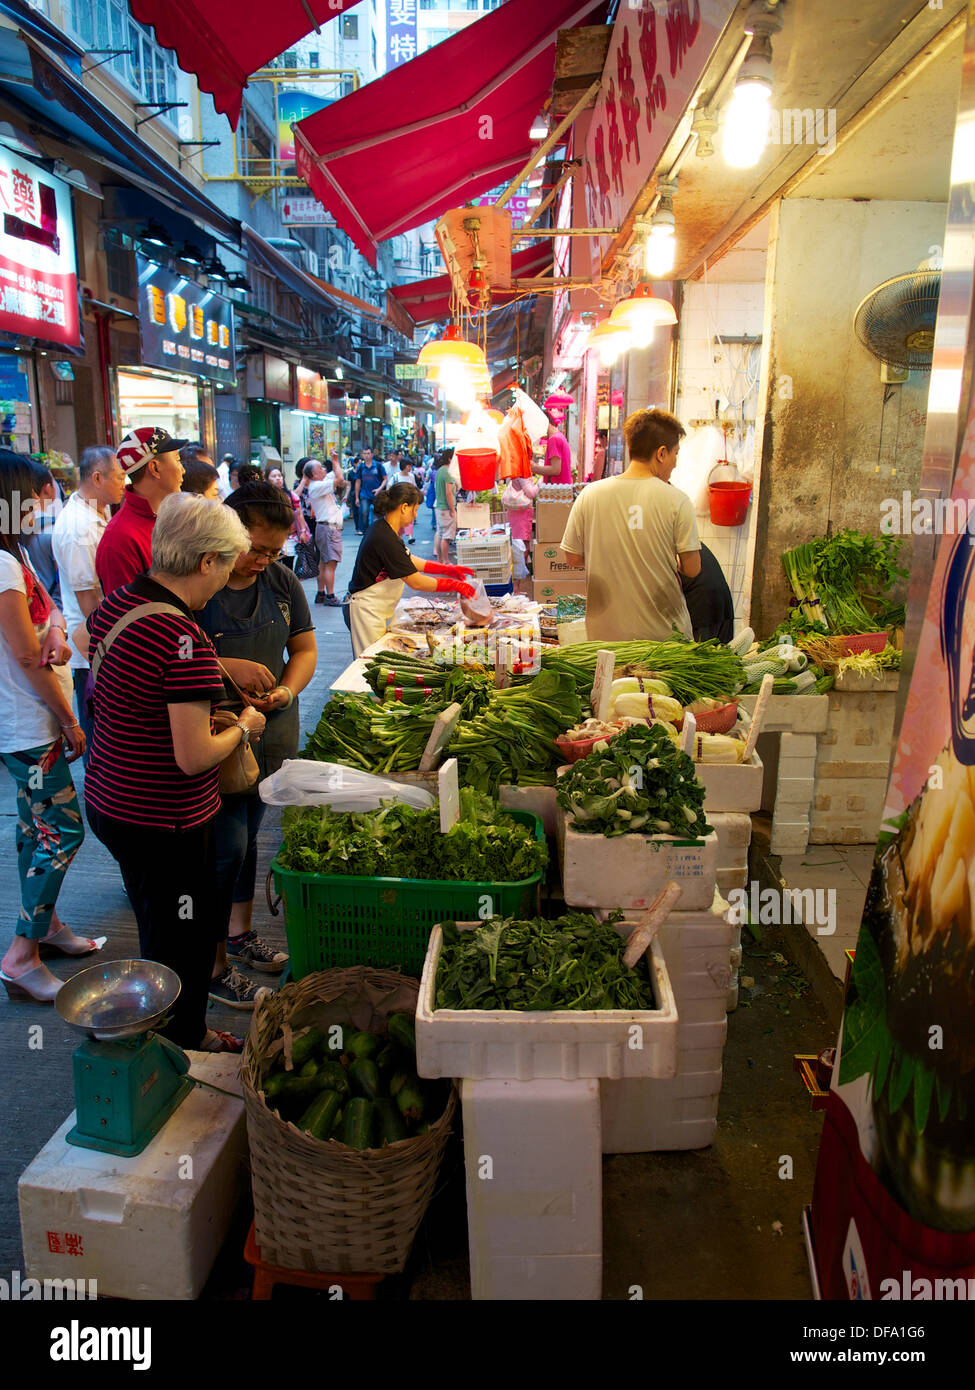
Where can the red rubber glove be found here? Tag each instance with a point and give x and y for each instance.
(458, 571)
(450, 585)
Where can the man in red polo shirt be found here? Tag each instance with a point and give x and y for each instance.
(150, 459)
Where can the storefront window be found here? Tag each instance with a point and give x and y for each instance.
(147, 399)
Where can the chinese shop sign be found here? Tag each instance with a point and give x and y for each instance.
(38, 279)
(184, 326)
(654, 63)
(401, 36)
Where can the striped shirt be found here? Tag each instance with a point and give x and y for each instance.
(132, 774)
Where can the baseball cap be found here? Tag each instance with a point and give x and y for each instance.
(141, 445)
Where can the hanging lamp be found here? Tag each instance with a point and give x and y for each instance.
(640, 312)
(451, 348)
(610, 340)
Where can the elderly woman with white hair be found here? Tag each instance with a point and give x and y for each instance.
(152, 779)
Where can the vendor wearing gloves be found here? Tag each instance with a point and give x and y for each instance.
(383, 565)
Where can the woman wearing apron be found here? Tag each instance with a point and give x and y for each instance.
(383, 565)
(262, 615)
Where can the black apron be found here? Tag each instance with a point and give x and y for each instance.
(263, 637)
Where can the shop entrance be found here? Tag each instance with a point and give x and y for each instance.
(149, 398)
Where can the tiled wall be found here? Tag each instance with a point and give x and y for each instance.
(736, 310)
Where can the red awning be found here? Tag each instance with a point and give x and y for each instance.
(439, 130)
(426, 301)
(223, 41)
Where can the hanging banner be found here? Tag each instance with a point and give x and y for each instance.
(38, 277)
(401, 32)
(293, 107)
(184, 326)
(893, 1211)
(655, 60)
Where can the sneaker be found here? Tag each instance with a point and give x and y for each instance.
(215, 1041)
(250, 950)
(320, 597)
(235, 990)
(332, 602)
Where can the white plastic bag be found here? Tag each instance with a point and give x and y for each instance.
(520, 570)
(301, 782)
(536, 421)
(477, 609)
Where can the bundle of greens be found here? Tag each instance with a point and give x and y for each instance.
(413, 680)
(692, 670)
(843, 581)
(574, 962)
(485, 846)
(513, 740)
(640, 783)
(356, 731)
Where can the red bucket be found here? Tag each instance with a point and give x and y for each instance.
(729, 502)
(478, 468)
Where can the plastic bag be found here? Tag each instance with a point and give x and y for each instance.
(301, 782)
(477, 609)
(536, 421)
(518, 559)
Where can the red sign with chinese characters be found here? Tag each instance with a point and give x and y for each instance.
(312, 391)
(656, 57)
(38, 279)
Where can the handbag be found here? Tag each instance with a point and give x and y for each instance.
(239, 770)
(306, 560)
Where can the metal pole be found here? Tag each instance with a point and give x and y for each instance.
(549, 143)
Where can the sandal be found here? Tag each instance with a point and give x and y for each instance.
(53, 945)
(215, 1041)
(38, 985)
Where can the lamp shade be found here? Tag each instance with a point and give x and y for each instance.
(451, 348)
(610, 340)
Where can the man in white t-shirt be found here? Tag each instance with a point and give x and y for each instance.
(635, 535)
(319, 482)
(75, 538)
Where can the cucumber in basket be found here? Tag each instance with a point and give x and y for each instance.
(364, 1076)
(389, 1126)
(402, 1030)
(319, 1118)
(357, 1123)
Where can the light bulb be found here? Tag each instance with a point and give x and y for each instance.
(539, 127)
(745, 128)
(641, 329)
(659, 251)
(608, 353)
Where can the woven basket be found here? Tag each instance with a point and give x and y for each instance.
(320, 1205)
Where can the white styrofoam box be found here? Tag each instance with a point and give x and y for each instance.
(803, 714)
(699, 1059)
(148, 1227)
(539, 800)
(736, 938)
(642, 1116)
(789, 837)
(733, 998)
(562, 1044)
(731, 786)
(555, 1278)
(736, 952)
(734, 831)
(798, 745)
(629, 871)
(804, 766)
(729, 879)
(691, 1036)
(797, 790)
(534, 1187)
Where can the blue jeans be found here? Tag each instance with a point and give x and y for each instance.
(365, 513)
(80, 679)
(235, 832)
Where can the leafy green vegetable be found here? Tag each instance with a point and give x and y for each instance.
(693, 670)
(574, 962)
(843, 580)
(399, 842)
(640, 783)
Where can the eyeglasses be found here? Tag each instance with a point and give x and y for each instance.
(266, 554)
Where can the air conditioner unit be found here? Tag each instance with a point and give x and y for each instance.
(309, 261)
(290, 59)
(367, 359)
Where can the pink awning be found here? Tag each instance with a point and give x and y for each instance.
(439, 130)
(223, 41)
(426, 301)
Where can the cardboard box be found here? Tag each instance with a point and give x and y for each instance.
(475, 516)
(550, 520)
(548, 590)
(549, 562)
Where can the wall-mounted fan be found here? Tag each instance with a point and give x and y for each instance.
(896, 321)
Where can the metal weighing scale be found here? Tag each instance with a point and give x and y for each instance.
(127, 1079)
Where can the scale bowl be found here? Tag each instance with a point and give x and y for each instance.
(119, 999)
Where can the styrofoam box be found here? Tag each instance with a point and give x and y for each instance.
(539, 800)
(629, 871)
(691, 1036)
(544, 1195)
(561, 1278)
(140, 1226)
(564, 1044)
(644, 1116)
(731, 786)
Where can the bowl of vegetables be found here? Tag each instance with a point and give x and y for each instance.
(580, 741)
(713, 716)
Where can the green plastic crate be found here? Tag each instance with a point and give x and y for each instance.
(341, 919)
